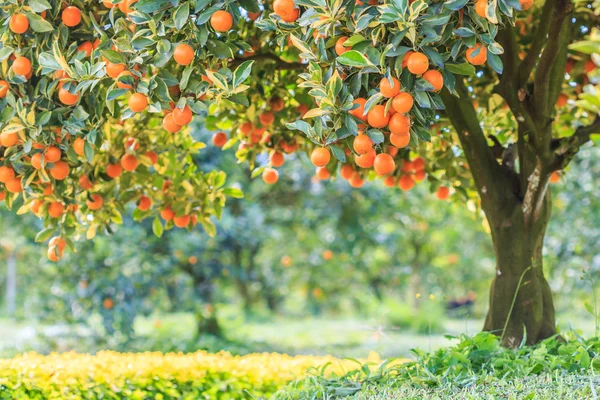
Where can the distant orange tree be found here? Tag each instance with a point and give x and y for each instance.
(485, 101)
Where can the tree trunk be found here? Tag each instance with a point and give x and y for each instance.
(520, 278)
(207, 318)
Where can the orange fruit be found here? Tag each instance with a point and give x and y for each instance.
(339, 46)
(167, 213)
(399, 124)
(183, 54)
(386, 88)
(58, 242)
(86, 47)
(526, 4)
(480, 7)
(400, 141)
(346, 171)
(366, 160)
(390, 181)
(66, 97)
(8, 139)
(114, 70)
(54, 254)
(60, 170)
(562, 100)
(85, 183)
(406, 57)
(137, 102)
(418, 63)
(2, 195)
(418, 164)
(392, 150)
(384, 164)
(267, 118)
(56, 209)
(144, 203)
(122, 85)
(22, 66)
(419, 176)
(406, 182)
(435, 78)
(18, 23)
(152, 156)
(322, 173)
(221, 21)
(277, 159)
(407, 166)
(356, 181)
(588, 67)
(477, 55)
(36, 161)
(402, 103)
(246, 128)
(6, 174)
(71, 16)
(555, 177)
(320, 157)
(14, 185)
(114, 170)
(293, 16)
(359, 111)
(182, 117)
(302, 109)
(78, 146)
(219, 139)
(170, 125)
(289, 147)
(443, 193)
(254, 16)
(108, 4)
(129, 162)
(270, 176)
(3, 88)
(95, 203)
(362, 144)
(284, 8)
(52, 154)
(276, 103)
(377, 117)
(181, 222)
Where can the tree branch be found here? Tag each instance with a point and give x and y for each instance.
(566, 148)
(269, 57)
(539, 39)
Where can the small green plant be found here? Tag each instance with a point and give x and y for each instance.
(428, 318)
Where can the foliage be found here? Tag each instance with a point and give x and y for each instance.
(427, 319)
(156, 375)
(473, 363)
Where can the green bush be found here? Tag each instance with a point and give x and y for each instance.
(428, 318)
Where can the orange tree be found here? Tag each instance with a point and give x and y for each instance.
(486, 101)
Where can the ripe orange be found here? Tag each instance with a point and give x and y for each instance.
(125, 6)
(384, 164)
(152, 156)
(3, 88)
(129, 162)
(555, 177)
(443, 193)
(390, 181)
(362, 144)
(71, 16)
(322, 173)
(2, 195)
(267, 118)
(8, 139)
(114, 70)
(435, 78)
(346, 171)
(52, 154)
(66, 97)
(95, 203)
(6, 174)
(276, 103)
(60, 170)
(480, 7)
(114, 170)
(78, 146)
(366, 160)
(302, 109)
(86, 47)
(85, 183)
(277, 159)
(18, 23)
(477, 55)
(14, 185)
(284, 8)
(400, 141)
(399, 124)
(419, 176)
(270, 176)
(339, 46)
(418, 164)
(406, 57)
(221, 21)
(56, 209)
(58, 242)
(406, 182)
(293, 16)
(181, 222)
(246, 128)
(562, 100)
(183, 54)
(122, 85)
(170, 125)
(588, 67)
(356, 181)
(358, 112)
(54, 254)
(254, 16)
(144, 203)
(392, 151)
(36, 161)
(526, 4)
(219, 139)
(320, 157)
(387, 90)
(418, 63)
(137, 102)
(377, 117)
(167, 213)
(289, 147)
(403, 102)
(22, 66)
(108, 4)
(182, 117)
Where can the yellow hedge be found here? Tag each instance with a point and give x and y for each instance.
(111, 375)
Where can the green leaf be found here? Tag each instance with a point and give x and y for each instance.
(461, 69)
(249, 5)
(39, 5)
(181, 15)
(39, 24)
(157, 227)
(338, 153)
(44, 235)
(242, 72)
(233, 192)
(586, 46)
(353, 58)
